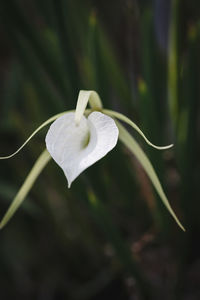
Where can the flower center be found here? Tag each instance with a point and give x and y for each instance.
(86, 140)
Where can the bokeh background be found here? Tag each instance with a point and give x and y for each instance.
(109, 236)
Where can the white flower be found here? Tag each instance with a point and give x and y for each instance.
(76, 142)
(75, 147)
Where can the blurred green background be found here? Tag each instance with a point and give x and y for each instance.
(109, 236)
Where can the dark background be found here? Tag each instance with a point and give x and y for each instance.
(142, 57)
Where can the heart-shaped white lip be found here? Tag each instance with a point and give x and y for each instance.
(76, 147)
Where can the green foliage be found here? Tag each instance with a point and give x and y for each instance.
(61, 245)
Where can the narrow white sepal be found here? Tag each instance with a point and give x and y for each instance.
(75, 148)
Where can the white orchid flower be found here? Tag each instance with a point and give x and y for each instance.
(75, 147)
(77, 139)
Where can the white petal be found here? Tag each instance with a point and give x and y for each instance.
(76, 147)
